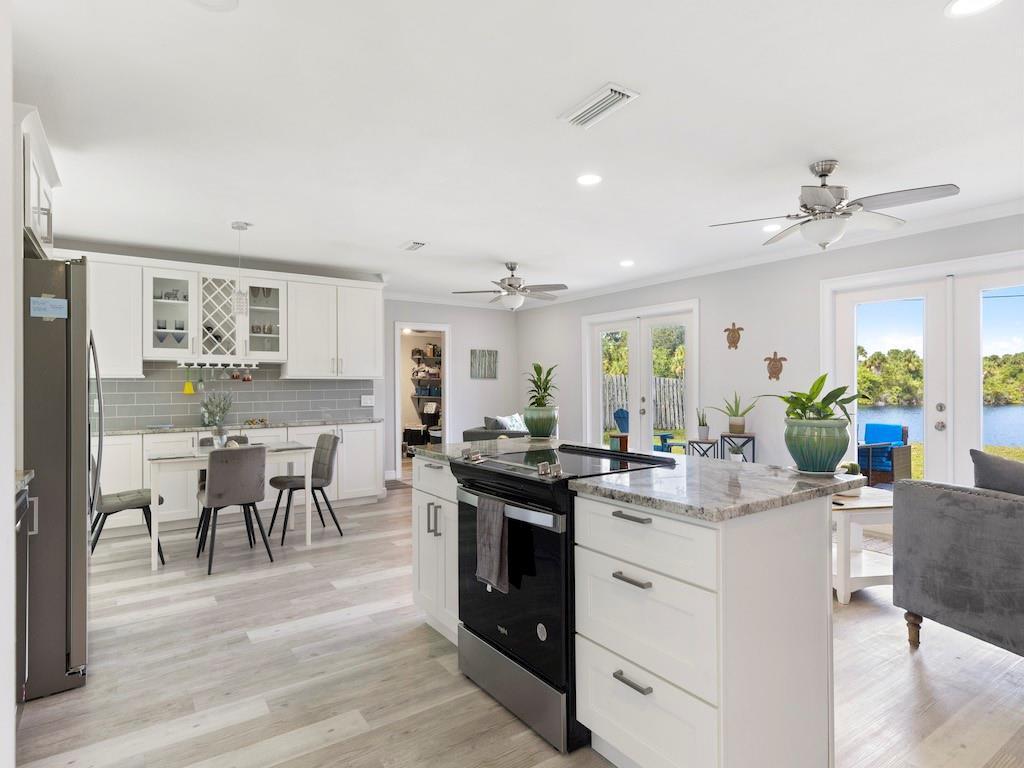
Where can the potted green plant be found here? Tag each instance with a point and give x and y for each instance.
(735, 453)
(215, 409)
(851, 468)
(540, 415)
(736, 412)
(816, 436)
(702, 424)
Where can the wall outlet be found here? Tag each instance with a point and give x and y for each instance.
(367, 400)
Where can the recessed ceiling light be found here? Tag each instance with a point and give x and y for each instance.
(771, 227)
(217, 6)
(588, 179)
(959, 8)
(626, 263)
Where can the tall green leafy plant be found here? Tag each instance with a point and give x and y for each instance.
(807, 406)
(734, 408)
(542, 386)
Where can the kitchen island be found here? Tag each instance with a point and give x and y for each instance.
(703, 606)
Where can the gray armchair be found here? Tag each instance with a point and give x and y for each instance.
(958, 559)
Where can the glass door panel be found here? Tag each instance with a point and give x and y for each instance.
(1002, 371)
(266, 324)
(663, 400)
(613, 385)
(170, 300)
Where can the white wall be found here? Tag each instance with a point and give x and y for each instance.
(776, 303)
(468, 400)
(8, 287)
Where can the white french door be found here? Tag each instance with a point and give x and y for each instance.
(643, 381)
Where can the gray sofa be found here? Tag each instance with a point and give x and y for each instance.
(482, 433)
(959, 560)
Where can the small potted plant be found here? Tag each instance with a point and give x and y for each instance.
(215, 409)
(851, 468)
(737, 413)
(816, 437)
(735, 453)
(540, 415)
(702, 424)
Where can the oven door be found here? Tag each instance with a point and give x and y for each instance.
(530, 623)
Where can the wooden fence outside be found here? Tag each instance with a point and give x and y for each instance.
(668, 406)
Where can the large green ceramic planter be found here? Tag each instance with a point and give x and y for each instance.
(541, 422)
(817, 445)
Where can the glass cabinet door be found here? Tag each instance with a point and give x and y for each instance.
(266, 335)
(220, 337)
(169, 331)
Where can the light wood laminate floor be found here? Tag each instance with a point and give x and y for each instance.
(322, 660)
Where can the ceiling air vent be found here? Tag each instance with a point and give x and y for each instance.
(598, 106)
(412, 245)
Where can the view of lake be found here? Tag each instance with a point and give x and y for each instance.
(1003, 424)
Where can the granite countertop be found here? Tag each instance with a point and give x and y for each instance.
(706, 489)
(712, 489)
(22, 477)
(238, 427)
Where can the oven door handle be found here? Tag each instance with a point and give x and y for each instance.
(545, 520)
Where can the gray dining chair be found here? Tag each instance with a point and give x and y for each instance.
(111, 503)
(323, 473)
(207, 442)
(234, 477)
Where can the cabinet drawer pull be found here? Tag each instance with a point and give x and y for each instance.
(437, 527)
(433, 466)
(644, 690)
(632, 518)
(430, 505)
(629, 580)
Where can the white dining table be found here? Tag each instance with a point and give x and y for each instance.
(192, 459)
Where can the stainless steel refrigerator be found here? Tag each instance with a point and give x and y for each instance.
(63, 406)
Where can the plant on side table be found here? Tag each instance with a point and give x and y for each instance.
(702, 424)
(816, 437)
(540, 415)
(215, 409)
(736, 412)
(736, 453)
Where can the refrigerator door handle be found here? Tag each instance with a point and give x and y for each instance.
(95, 486)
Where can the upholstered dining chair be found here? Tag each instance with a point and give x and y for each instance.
(322, 475)
(235, 477)
(108, 504)
(207, 442)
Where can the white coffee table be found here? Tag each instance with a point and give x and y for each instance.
(854, 567)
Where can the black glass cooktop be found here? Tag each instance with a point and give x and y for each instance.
(575, 461)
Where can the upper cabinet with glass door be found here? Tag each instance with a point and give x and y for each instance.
(169, 314)
(265, 335)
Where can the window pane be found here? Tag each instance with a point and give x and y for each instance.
(614, 385)
(1002, 350)
(668, 402)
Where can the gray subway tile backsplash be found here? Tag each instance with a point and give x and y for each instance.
(157, 400)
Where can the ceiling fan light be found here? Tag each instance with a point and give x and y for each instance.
(958, 9)
(511, 301)
(823, 231)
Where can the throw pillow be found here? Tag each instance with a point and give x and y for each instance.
(998, 474)
(491, 423)
(513, 423)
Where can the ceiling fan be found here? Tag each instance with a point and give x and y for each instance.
(511, 293)
(826, 211)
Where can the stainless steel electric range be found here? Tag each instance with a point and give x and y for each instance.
(519, 646)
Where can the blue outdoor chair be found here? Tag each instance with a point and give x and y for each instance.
(621, 417)
(884, 456)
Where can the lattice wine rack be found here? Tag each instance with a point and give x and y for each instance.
(220, 326)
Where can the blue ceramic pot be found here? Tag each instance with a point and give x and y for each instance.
(541, 422)
(817, 445)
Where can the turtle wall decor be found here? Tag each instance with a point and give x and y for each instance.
(732, 336)
(775, 366)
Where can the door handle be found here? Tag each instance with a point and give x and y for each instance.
(643, 690)
(631, 581)
(940, 426)
(430, 504)
(632, 518)
(433, 466)
(643, 411)
(34, 500)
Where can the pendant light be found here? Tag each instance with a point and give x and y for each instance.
(240, 299)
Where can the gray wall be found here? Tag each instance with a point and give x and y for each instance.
(777, 304)
(157, 400)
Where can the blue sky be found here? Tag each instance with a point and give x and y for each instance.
(899, 324)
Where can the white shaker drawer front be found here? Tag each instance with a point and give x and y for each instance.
(649, 720)
(432, 476)
(683, 550)
(669, 627)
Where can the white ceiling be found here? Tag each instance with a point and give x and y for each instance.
(344, 129)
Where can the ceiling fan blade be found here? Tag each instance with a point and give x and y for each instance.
(751, 221)
(546, 287)
(872, 220)
(496, 298)
(905, 197)
(784, 233)
(541, 296)
(477, 291)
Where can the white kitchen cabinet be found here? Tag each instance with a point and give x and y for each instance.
(116, 325)
(309, 436)
(177, 488)
(360, 333)
(39, 179)
(265, 335)
(426, 552)
(220, 332)
(170, 313)
(121, 471)
(436, 545)
(446, 521)
(312, 331)
(270, 435)
(360, 460)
